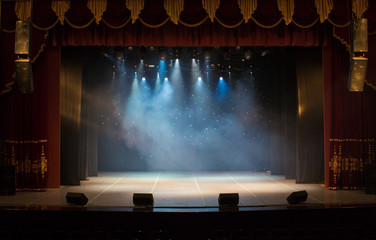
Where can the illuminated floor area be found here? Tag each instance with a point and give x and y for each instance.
(188, 190)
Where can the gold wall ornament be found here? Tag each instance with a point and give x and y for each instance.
(135, 6)
(211, 7)
(60, 7)
(23, 10)
(324, 7)
(247, 8)
(173, 9)
(359, 7)
(97, 7)
(287, 8)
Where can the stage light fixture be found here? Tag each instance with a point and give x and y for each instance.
(247, 54)
(142, 52)
(193, 53)
(227, 53)
(162, 54)
(228, 199)
(119, 53)
(143, 199)
(130, 48)
(177, 52)
(166, 78)
(264, 52)
(199, 78)
(221, 78)
(358, 69)
(143, 79)
(151, 48)
(297, 197)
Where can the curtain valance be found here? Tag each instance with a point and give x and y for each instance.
(190, 13)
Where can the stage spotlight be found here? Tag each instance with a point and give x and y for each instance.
(247, 54)
(207, 54)
(166, 78)
(193, 53)
(228, 199)
(199, 78)
(227, 53)
(297, 197)
(143, 199)
(76, 198)
(177, 52)
(162, 54)
(151, 48)
(142, 52)
(143, 79)
(119, 53)
(221, 78)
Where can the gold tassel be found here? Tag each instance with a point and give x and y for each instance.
(173, 9)
(359, 7)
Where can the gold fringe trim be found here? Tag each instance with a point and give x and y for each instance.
(339, 26)
(45, 28)
(27, 141)
(41, 48)
(8, 31)
(307, 26)
(265, 26)
(370, 85)
(80, 27)
(229, 26)
(194, 24)
(351, 140)
(116, 27)
(154, 26)
(348, 47)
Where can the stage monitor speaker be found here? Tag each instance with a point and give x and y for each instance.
(143, 199)
(7, 180)
(358, 69)
(228, 199)
(76, 198)
(297, 197)
(22, 38)
(370, 178)
(359, 35)
(24, 76)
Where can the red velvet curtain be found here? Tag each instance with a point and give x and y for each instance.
(349, 117)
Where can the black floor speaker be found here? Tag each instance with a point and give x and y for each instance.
(143, 199)
(297, 197)
(7, 180)
(228, 199)
(370, 178)
(76, 198)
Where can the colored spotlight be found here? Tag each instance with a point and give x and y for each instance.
(221, 78)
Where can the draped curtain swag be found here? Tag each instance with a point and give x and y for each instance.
(23, 10)
(60, 7)
(60, 23)
(174, 8)
(247, 8)
(135, 6)
(287, 8)
(324, 7)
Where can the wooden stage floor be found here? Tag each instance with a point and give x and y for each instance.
(187, 191)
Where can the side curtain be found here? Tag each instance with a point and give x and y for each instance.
(70, 115)
(310, 128)
(349, 119)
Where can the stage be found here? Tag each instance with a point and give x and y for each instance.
(188, 191)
